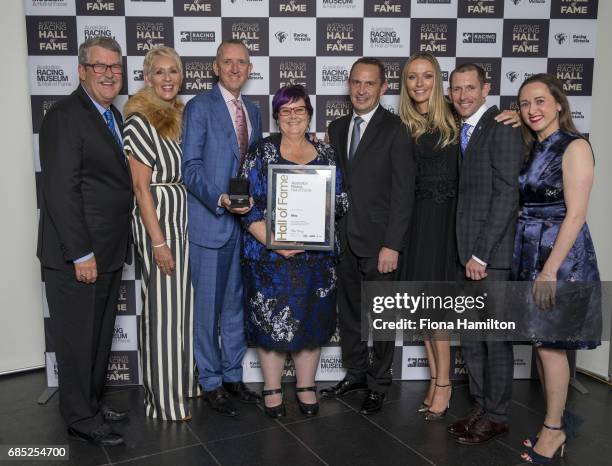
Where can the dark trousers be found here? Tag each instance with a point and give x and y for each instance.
(82, 323)
(490, 366)
(352, 270)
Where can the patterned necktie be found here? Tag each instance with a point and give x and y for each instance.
(356, 137)
(242, 132)
(465, 138)
(110, 122)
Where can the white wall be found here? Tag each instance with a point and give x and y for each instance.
(21, 323)
(21, 328)
(600, 207)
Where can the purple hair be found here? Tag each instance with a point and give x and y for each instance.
(289, 94)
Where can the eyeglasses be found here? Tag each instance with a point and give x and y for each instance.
(286, 111)
(100, 68)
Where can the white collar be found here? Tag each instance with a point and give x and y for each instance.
(367, 116)
(475, 118)
(227, 95)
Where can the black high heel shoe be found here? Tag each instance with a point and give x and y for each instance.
(434, 416)
(424, 407)
(570, 423)
(531, 456)
(307, 409)
(274, 411)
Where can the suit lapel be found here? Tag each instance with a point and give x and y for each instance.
(368, 136)
(478, 131)
(343, 126)
(97, 121)
(250, 109)
(222, 112)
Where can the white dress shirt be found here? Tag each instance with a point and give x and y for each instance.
(228, 97)
(364, 124)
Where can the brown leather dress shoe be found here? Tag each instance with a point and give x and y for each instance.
(483, 431)
(462, 426)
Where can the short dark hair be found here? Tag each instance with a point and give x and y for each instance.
(482, 75)
(288, 94)
(234, 42)
(370, 61)
(107, 43)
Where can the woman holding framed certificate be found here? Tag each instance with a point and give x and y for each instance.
(290, 293)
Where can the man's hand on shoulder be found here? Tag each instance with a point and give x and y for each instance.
(387, 260)
(86, 271)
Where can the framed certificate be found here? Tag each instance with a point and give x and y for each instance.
(301, 207)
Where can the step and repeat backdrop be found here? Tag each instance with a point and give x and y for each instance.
(313, 43)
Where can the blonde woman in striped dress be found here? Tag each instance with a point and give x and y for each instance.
(152, 143)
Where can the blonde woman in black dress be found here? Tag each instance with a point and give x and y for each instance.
(152, 143)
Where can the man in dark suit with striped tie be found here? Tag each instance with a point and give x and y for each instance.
(486, 217)
(83, 235)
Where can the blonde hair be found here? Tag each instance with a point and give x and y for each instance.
(439, 116)
(161, 51)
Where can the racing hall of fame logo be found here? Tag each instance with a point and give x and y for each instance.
(393, 73)
(339, 37)
(197, 36)
(384, 37)
(387, 8)
(330, 108)
(481, 9)
(144, 34)
(48, 35)
(437, 37)
(290, 71)
(122, 368)
(126, 303)
(52, 76)
(416, 362)
(576, 75)
(292, 8)
(96, 30)
(525, 38)
(253, 33)
(578, 9)
(100, 7)
(41, 104)
(197, 7)
(491, 67)
(334, 76)
(199, 75)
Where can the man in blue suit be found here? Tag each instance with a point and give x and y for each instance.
(219, 127)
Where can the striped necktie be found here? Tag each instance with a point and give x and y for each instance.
(110, 122)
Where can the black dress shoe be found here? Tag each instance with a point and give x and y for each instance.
(373, 402)
(463, 425)
(240, 391)
(102, 436)
(113, 415)
(342, 388)
(483, 431)
(218, 399)
(274, 411)
(307, 409)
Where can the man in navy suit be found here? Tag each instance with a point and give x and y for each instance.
(219, 127)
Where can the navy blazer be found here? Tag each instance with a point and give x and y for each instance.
(211, 157)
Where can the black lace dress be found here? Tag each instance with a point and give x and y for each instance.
(431, 250)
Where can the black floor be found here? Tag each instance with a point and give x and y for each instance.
(338, 436)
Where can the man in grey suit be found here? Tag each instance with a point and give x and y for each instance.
(487, 207)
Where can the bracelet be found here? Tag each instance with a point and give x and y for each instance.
(159, 245)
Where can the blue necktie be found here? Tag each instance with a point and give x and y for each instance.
(110, 122)
(356, 137)
(465, 138)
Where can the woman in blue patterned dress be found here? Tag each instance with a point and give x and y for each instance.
(553, 242)
(290, 294)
